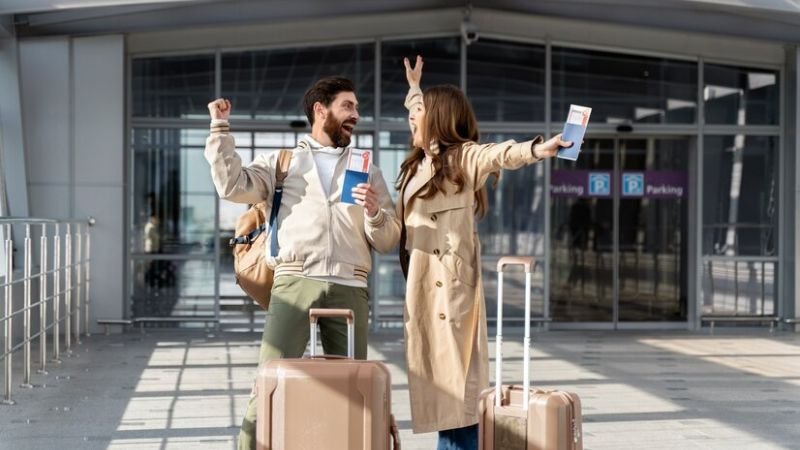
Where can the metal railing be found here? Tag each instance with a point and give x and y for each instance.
(64, 279)
(739, 285)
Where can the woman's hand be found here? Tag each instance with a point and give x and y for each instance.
(549, 148)
(413, 74)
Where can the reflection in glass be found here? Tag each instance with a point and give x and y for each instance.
(653, 243)
(394, 148)
(624, 88)
(514, 223)
(173, 195)
(651, 249)
(173, 202)
(582, 243)
(168, 287)
(740, 195)
(505, 81)
(391, 286)
(738, 287)
(442, 66)
(740, 96)
(270, 84)
(174, 86)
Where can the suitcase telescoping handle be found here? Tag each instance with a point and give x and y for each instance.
(527, 263)
(316, 313)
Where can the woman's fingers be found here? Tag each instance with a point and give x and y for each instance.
(413, 74)
(560, 142)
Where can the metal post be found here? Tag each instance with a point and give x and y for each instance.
(8, 322)
(498, 344)
(57, 295)
(68, 290)
(78, 284)
(26, 328)
(526, 370)
(88, 280)
(43, 301)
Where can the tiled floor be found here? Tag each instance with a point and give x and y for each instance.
(176, 390)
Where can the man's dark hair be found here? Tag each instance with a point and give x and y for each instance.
(324, 91)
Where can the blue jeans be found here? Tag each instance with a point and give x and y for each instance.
(459, 438)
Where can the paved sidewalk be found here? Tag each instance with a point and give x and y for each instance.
(655, 390)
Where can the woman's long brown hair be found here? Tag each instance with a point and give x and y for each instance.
(449, 124)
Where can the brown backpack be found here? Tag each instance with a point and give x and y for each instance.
(249, 264)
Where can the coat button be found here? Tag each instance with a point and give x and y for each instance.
(438, 284)
(442, 316)
(436, 251)
(433, 217)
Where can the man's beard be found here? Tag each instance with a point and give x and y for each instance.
(334, 130)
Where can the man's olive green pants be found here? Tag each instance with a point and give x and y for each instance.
(286, 329)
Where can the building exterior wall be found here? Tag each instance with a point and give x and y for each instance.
(73, 92)
(76, 111)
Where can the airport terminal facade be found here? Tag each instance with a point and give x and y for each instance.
(682, 203)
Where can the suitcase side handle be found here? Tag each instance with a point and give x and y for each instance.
(525, 261)
(528, 263)
(316, 313)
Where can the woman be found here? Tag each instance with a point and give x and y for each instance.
(442, 191)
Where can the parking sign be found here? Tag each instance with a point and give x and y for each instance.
(633, 184)
(599, 183)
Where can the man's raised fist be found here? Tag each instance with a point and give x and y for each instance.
(220, 109)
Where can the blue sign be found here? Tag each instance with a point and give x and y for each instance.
(633, 184)
(599, 183)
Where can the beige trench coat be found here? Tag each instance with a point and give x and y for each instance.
(445, 316)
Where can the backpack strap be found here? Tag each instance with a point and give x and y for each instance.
(281, 171)
(282, 167)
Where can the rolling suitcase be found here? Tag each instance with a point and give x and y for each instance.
(325, 402)
(516, 417)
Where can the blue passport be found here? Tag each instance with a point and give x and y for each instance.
(352, 178)
(574, 129)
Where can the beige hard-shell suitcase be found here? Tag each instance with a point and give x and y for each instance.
(516, 417)
(325, 402)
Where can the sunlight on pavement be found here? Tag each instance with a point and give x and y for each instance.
(765, 357)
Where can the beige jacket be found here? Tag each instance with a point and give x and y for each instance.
(445, 318)
(318, 235)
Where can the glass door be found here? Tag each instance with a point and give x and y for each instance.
(172, 219)
(652, 229)
(619, 222)
(582, 235)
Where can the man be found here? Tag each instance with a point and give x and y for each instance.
(152, 236)
(152, 244)
(324, 244)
